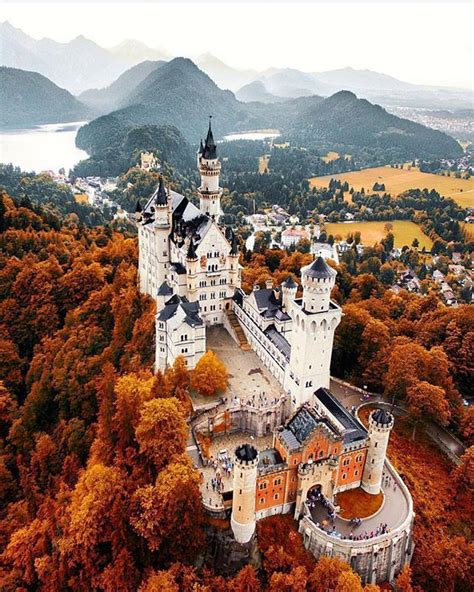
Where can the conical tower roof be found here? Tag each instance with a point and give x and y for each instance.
(161, 199)
(210, 148)
(138, 207)
(319, 269)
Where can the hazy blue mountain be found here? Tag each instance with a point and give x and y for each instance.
(28, 98)
(294, 83)
(256, 91)
(116, 95)
(356, 80)
(76, 66)
(223, 75)
(133, 52)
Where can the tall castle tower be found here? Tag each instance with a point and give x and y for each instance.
(209, 168)
(315, 319)
(154, 251)
(243, 519)
(380, 426)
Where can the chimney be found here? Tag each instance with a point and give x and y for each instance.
(256, 287)
(269, 284)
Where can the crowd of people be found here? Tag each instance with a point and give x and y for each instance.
(316, 497)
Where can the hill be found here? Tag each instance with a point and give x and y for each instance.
(28, 98)
(357, 124)
(256, 91)
(178, 94)
(113, 97)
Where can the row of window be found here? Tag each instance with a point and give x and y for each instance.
(203, 296)
(203, 283)
(347, 461)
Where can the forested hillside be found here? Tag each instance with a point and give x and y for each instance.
(179, 94)
(28, 98)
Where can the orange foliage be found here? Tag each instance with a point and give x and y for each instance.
(210, 375)
(357, 503)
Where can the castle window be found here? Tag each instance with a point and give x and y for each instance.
(262, 485)
(358, 457)
(356, 473)
(344, 476)
(346, 462)
(321, 453)
(240, 491)
(184, 350)
(276, 496)
(277, 482)
(240, 508)
(375, 444)
(262, 500)
(373, 460)
(184, 337)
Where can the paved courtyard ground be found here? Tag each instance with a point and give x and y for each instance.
(248, 378)
(221, 450)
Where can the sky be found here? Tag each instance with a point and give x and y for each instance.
(421, 42)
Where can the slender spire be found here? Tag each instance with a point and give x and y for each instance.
(234, 246)
(161, 198)
(191, 254)
(210, 149)
(138, 207)
(201, 147)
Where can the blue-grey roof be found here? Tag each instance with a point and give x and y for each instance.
(319, 269)
(190, 309)
(289, 439)
(353, 429)
(278, 341)
(165, 290)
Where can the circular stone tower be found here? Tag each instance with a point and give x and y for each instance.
(318, 279)
(380, 426)
(245, 484)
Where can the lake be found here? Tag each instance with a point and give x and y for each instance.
(45, 147)
(253, 135)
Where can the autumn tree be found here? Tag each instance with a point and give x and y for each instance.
(325, 575)
(210, 375)
(245, 581)
(426, 401)
(348, 581)
(404, 580)
(161, 431)
(168, 514)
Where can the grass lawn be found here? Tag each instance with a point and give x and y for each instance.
(397, 181)
(372, 232)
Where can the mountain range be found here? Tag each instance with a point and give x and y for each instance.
(82, 65)
(28, 98)
(179, 94)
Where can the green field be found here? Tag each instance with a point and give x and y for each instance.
(372, 232)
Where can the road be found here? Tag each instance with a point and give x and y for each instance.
(350, 396)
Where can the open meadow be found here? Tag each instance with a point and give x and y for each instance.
(397, 181)
(404, 231)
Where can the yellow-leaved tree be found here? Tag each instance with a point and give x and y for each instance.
(210, 375)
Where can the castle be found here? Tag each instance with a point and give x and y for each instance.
(189, 262)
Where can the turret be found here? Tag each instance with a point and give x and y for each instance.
(380, 426)
(192, 267)
(138, 211)
(244, 492)
(161, 206)
(318, 280)
(288, 288)
(315, 320)
(209, 169)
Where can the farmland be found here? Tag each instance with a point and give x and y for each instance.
(371, 232)
(397, 181)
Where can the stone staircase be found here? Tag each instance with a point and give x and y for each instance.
(238, 331)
